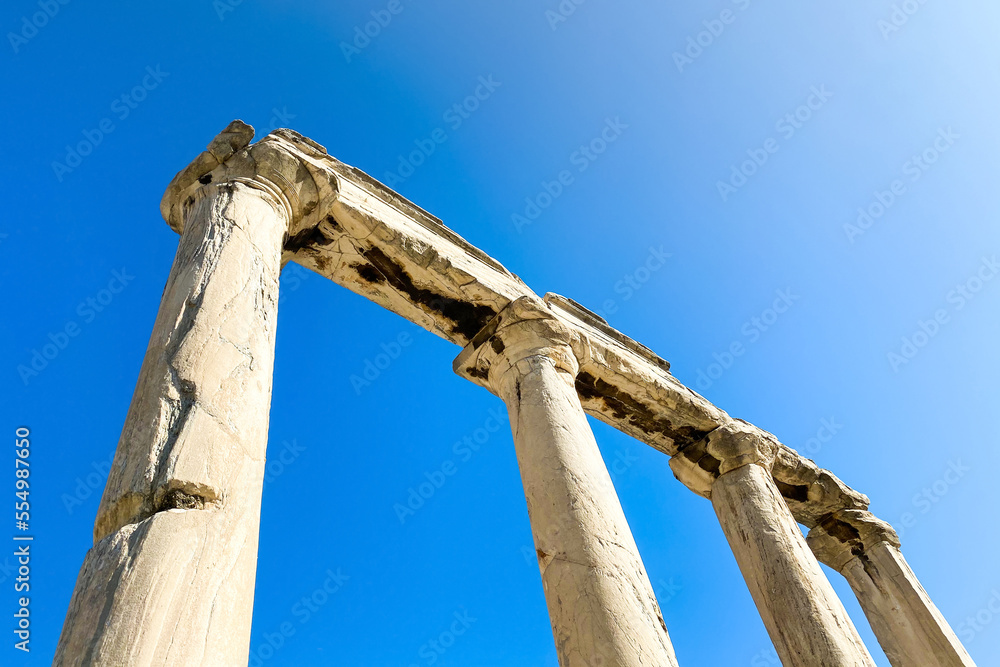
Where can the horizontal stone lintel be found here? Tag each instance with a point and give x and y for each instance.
(362, 235)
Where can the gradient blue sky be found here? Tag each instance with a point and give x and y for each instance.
(356, 450)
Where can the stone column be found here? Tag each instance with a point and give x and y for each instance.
(170, 578)
(806, 621)
(600, 602)
(911, 630)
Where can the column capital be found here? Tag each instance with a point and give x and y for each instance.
(732, 445)
(848, 533)
(520, 334)
(282, 164)
(736, 444)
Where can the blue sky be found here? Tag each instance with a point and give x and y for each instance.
(745, 158)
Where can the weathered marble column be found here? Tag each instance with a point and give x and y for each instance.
(170, 578)
(601, 605)
(806, 621)
(911, 630)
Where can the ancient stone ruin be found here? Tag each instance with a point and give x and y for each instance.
(190, 463)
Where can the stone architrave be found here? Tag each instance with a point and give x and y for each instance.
(170, 577)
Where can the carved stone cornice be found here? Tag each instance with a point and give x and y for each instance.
(364, 236)
(285, 165)
(732, 445)
(513, 342)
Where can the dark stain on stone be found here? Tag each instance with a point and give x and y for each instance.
(322, 263)
(177, 499)
(368, 273)
(206, 179)
(796, 492)
(623, 406)
(481, 373)
(695, 453)
(309, 237)
(496, 344)
(468, 318)
(710, 464)
(840, 530)
(330, 220)
(847, 534)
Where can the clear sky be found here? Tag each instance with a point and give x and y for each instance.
(840, 161)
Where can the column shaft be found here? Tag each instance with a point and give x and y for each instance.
(170, 578)
(601, 605)
(911, 630)
(807, 622)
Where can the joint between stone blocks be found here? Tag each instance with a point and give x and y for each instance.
(737, 444)
(730, 446)
(847, 533)
(522, 336)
